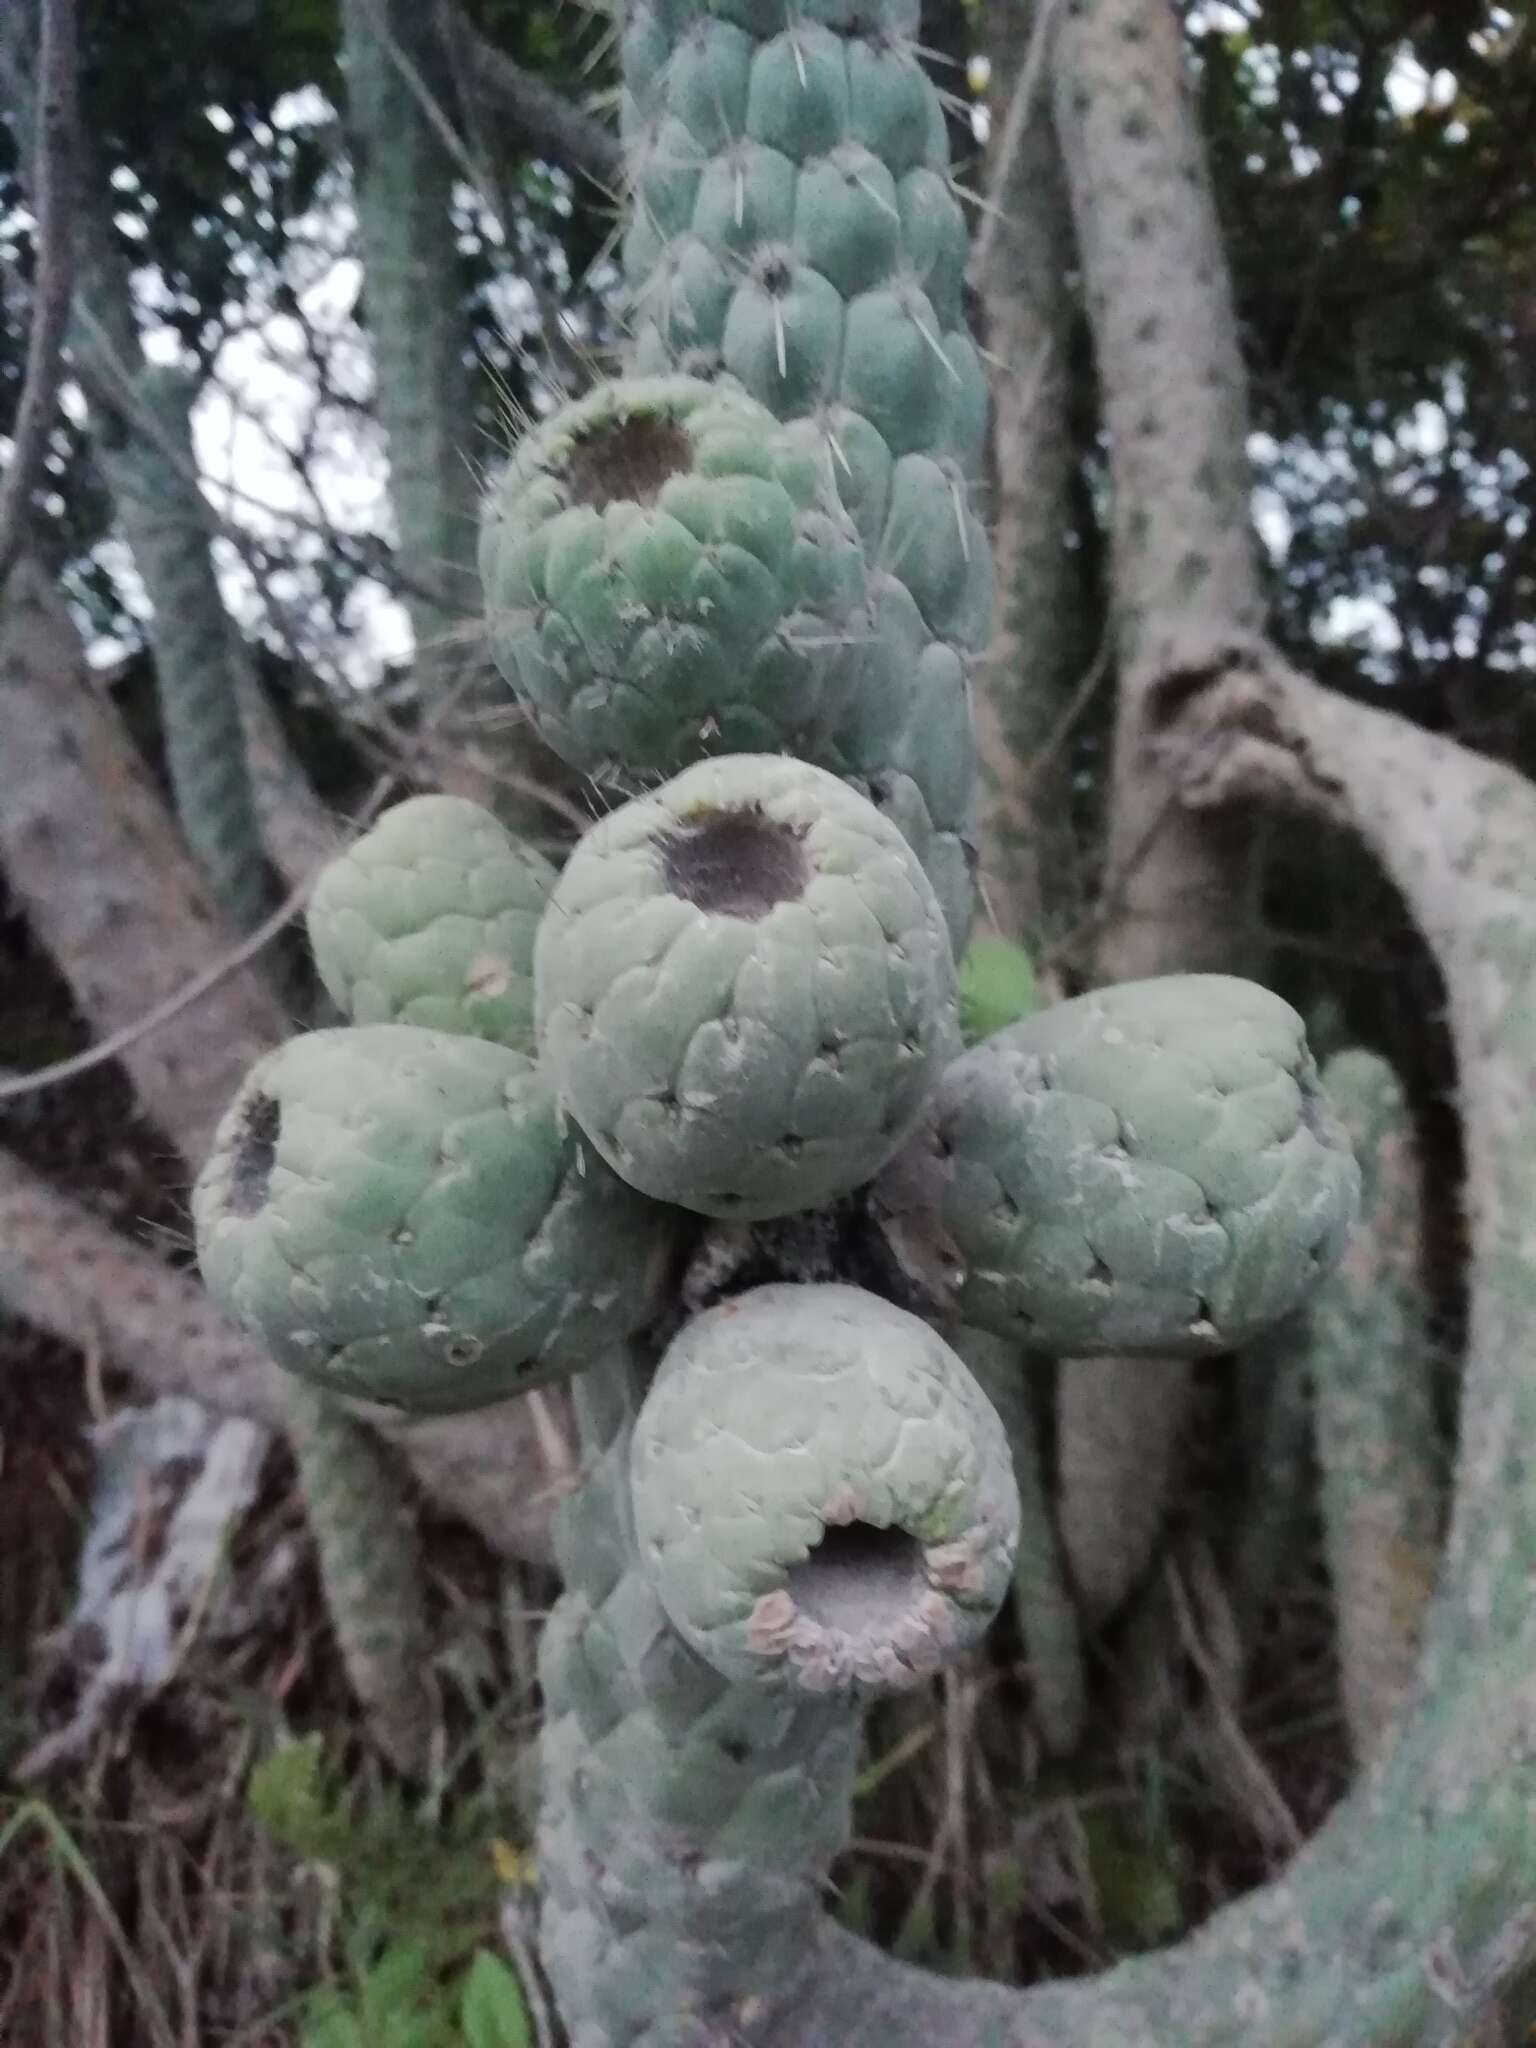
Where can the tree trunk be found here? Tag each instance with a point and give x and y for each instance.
(1176, 886)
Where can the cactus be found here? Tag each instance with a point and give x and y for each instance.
(747, 1010)
(668, 576)
(404, 1217)
(1378, 1446)
(794, 232)
(1148, 1168)
(790, 1519)
(429, 919)
(744, 988)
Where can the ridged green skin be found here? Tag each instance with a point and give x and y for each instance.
(430, 919)
(1380, 1455)
(685, 1823)
(786, 1425)
(1149, 1168)
(405, 1217)
(794, 229)
(748, 1064)
(716, 614)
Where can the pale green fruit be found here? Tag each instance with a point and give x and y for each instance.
(745, 988)
(404, 1216)
(1149, 1168)
(823, 1494)
(430, 919)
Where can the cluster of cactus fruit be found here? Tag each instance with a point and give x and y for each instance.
(740, 589)
(736, 1002)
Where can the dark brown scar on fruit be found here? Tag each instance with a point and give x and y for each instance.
(626, 459)
(255, 1155)
(736, 863)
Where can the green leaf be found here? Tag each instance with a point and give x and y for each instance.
(997, 987)
(494, 2012)
(292, 1799)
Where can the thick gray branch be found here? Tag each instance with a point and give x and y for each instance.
(1175, 408)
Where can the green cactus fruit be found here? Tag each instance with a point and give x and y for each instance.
(668, 576)
(997, 987)
(405, 1217)
(1149, 1168)
(744, 988)
(430, 919)
(823, 1494)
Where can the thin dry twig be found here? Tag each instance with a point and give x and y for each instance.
(53, 177)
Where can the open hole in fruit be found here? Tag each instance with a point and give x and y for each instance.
(629, 458)
(859, 1580)
(255, 1154)
(736, 862)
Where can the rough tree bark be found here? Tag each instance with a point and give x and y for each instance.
(1185, 580)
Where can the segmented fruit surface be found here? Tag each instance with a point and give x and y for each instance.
(404, 1216)
(429, 918)
(1152, 1167)
(745, 988)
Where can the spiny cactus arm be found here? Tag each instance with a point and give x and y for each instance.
(364, 1526)
(1031, 868)
(668, 575)
(1378, 1447)
(50, 177)
(823, 1496)
(685, 1822)
(1042, 1598)
(1400, 1920)
(429, 919)
(1275, 1426)
(1149, 1167)
(794, 229)
(404, 197)
(201, 665)
(690, 1815)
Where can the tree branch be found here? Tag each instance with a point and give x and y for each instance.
(53, 175)
(548, 123)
